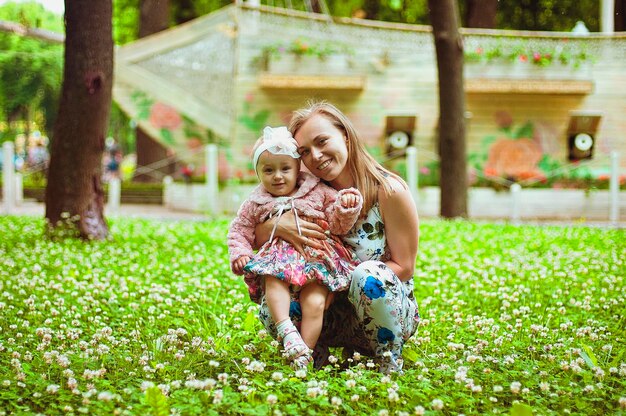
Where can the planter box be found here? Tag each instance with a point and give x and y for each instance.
(308, 64)
(526, 70)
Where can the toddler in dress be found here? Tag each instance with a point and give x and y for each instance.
(277, 270)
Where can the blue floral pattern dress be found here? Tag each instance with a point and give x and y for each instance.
(377, 314)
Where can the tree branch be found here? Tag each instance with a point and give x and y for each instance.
(40, 34)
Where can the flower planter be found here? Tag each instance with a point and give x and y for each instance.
(336, 64)
(526, 70)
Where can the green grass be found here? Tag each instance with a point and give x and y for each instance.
(514, 319)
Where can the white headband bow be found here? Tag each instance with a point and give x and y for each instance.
(277, 141)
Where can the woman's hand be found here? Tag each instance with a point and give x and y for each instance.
(288, 231)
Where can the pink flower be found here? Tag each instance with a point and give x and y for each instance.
(163, 116)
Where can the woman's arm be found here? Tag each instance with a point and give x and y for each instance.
(288, 231)
(401, 228)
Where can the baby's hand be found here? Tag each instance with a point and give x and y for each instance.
(349, 200)
(239, 264)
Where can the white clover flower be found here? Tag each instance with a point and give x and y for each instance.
(354, 398)
(350, 383)
(218, 396)
(437, 404)
(72, 383)
(277, 376)
(516, 386)
(622, 402)
(498, 389)
(106, 396)
(272, 399)
(383, 412)
(419, 410)
(392, 395)
(301, 373)
(313, 392)
(543, 386)
(336, 401)
(52, 388)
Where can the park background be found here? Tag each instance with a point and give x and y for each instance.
(516, 319)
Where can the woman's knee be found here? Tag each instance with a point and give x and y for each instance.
(370, 278)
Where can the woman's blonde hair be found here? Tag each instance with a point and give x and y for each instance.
(367, 173)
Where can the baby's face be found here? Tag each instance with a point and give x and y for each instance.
(278, 173)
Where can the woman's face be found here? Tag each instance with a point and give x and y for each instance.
(324, 151)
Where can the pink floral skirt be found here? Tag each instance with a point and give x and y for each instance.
(331, 266)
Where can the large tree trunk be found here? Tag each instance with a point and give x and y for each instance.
(154, 17)
(74, 196)
(481, 13)
(620, 15)
(449, 47)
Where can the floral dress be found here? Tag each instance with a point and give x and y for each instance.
(332, 265)
(377, 314)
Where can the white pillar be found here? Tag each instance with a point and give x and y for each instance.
(607, 16)
(412, 176)
(115, 193)
(516, 193)
(167, 190)
(614, 189)
(211, 177)
(8, 177)
(19, 188)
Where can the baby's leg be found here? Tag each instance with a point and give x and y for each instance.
(312, 300)
(278, 301)
(277, 298)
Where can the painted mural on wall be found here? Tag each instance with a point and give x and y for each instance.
(530, 154)
(179, 134)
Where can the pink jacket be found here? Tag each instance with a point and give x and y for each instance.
(313, 199)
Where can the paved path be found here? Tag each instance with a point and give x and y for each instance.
(160, 212)
(126, 210)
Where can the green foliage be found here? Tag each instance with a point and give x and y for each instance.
(30, 70)
(153, 322)
(525, 51)
(157, 402)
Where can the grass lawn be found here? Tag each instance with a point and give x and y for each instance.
(515, 319)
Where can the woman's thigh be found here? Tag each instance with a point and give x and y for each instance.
(383, 303)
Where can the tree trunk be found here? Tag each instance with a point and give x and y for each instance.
(449, 47)
(74, 196)
(154, 17)
(481, 13)
(620, 15)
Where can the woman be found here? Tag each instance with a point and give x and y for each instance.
(378, 313)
